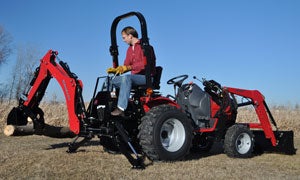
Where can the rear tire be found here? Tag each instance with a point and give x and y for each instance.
(239, 142)
(165, 133)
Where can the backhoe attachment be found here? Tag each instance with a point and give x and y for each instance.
(80, 120)
(29, 101)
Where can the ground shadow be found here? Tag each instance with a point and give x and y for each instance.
(216, 149)
(66, 144)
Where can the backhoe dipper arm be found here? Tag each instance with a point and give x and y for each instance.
(71, 86)
(261, 109)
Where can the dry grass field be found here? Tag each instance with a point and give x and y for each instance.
(40, 157)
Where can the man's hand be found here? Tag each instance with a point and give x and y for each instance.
(111, 70)
(122, 69)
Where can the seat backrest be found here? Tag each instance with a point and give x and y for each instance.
(155, 83)
(156, 77)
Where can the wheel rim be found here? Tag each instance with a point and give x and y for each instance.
(172, 135)
(243, 143)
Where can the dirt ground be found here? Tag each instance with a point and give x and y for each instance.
(40, 157)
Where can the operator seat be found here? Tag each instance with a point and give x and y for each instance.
(155, 83)
(156, 77)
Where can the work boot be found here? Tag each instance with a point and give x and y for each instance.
(117, 112)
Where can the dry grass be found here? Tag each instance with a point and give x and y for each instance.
(39, 157)
(286, 118)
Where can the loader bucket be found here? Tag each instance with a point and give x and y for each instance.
(16, 117)
(285, 142)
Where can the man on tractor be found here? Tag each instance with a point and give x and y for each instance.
(135, 62)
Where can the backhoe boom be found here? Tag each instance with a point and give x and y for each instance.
(71, 86)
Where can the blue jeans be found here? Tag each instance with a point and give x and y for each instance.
(124, 83)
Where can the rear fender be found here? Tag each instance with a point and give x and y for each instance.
(152, 102)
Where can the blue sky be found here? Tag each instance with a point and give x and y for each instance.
(239, 43)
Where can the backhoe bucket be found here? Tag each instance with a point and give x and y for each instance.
(285, 142)
(16, 117)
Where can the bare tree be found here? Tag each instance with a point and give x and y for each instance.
(5, 42)
(5, 51)
(22, 72)
(3, 92)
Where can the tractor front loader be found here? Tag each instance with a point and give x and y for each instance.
(267, 136)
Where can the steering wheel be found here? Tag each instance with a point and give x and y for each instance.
(178, 80)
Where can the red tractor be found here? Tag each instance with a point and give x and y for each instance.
(155, 126)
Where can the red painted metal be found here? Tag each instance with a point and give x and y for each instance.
(261, 111)
(149, 102)
(214, 108)
(67, 83)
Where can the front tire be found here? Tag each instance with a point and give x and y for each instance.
(165, 133)
(239, 142)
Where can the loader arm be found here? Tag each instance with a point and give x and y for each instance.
(261, 108)
(71, 86)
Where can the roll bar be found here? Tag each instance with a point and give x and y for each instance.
(144, 42)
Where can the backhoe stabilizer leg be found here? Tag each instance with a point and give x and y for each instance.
(136, 161)
(75, 145)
